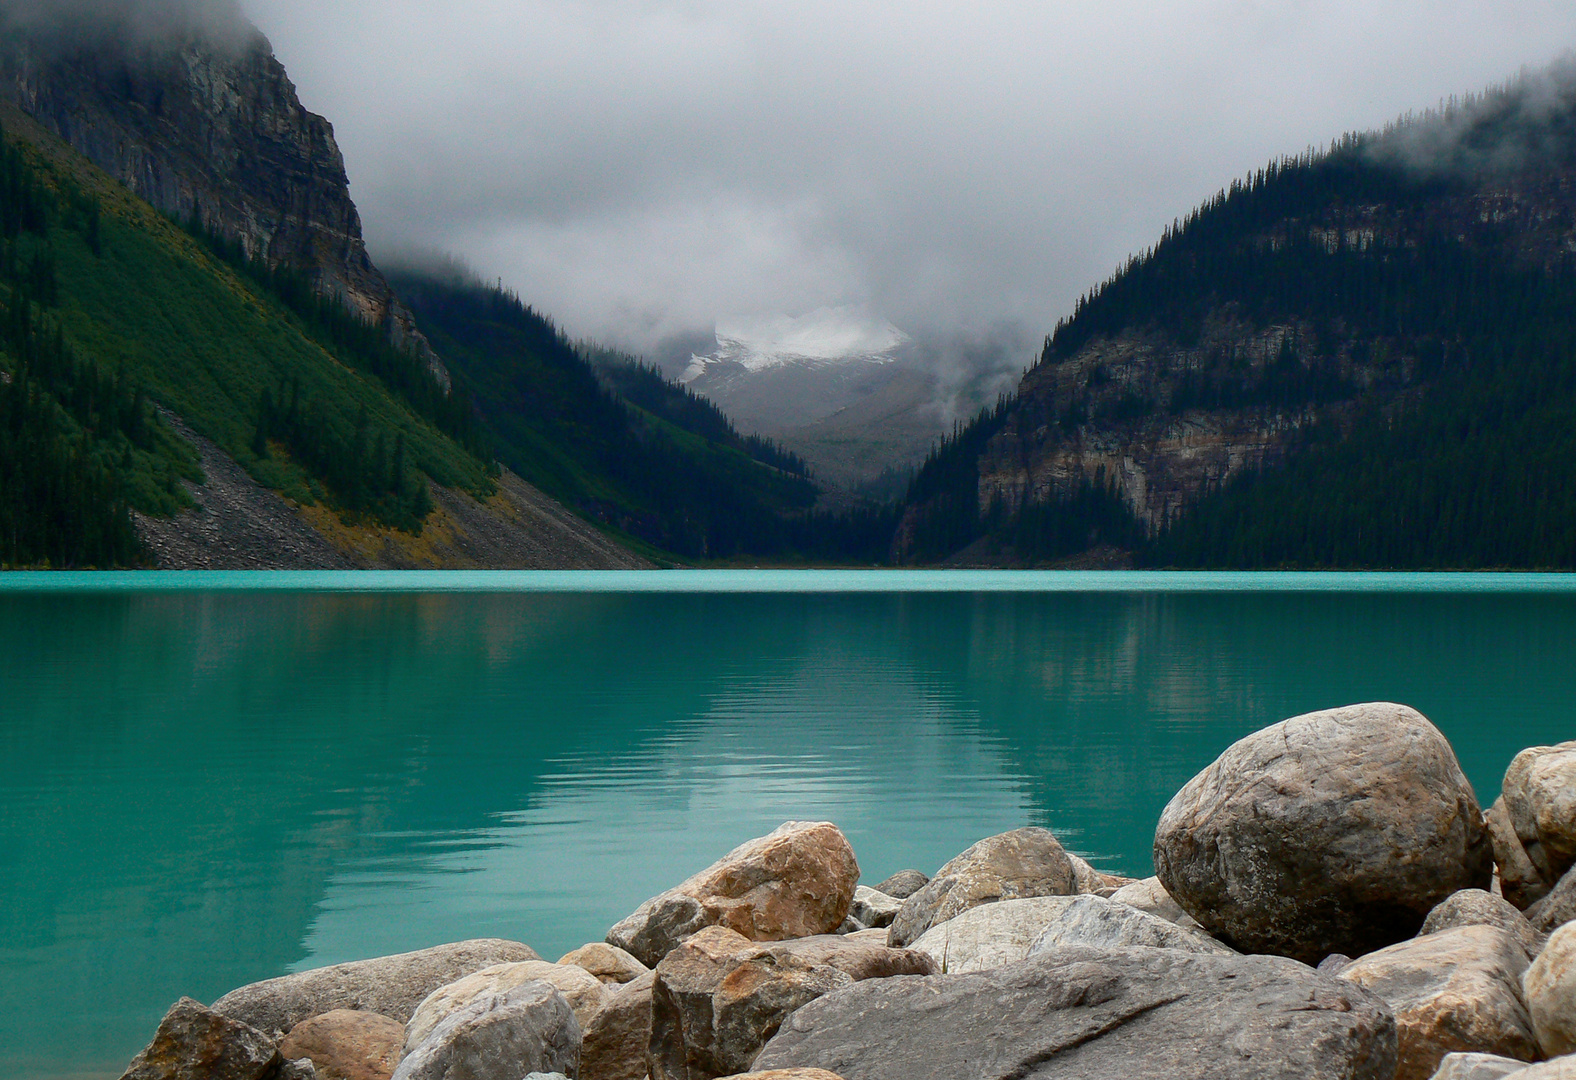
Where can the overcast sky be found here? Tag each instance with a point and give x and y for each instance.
(641, 168)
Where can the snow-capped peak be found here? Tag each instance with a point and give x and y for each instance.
(824, 336)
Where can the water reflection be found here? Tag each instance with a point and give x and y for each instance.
(208, 788)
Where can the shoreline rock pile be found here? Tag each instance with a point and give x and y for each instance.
(1330, 901)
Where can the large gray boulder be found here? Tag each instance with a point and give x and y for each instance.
(390, 985)
(796, 881)
(615, 1042)
(1540, 798)
(990, 935)
(1159, 1014)
(196, 1043)
(1457, 990)
(1337, 831)
(1474, 907)
(1550, 988)
(347, 1044)
(1010, 866)
(583, 991)
(525, 1029)
(1107, 924)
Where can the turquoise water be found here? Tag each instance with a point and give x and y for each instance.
(216, 778)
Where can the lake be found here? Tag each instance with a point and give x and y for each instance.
(216, 778)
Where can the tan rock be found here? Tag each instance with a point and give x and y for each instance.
(1560, 1068)
(1519, 881)
(610, 964)
(389, 985)
(876, 935)
(1333, 832)
(1459, 1066)
(990, 935)
(1540, 798)
(719, 997)
(580, 988)
(1458, 990)
(1094, 882)
(796, 881)
(196, 1043)
(1474, 907)
(1550, 988)
(1148, 895)
(1011, 866)
(617, 1038)
(347, 1044)
(786, 1074)
(1558, 907)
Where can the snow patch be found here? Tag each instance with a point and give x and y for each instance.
(824, 336)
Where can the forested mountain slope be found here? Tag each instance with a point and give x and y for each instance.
(1364, 357)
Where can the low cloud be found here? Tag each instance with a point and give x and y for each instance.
(640, 168)
(126, 21)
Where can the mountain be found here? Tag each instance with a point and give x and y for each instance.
(1363, 357)
(849, 392)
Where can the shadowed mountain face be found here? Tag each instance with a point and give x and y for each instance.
(197, 117)
(1346, 359)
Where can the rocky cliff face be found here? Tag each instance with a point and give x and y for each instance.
(207, 125)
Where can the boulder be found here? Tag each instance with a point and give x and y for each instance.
(1457, 990)
(347, 1045)
(1557, 908)
(786, 1074)
(1474, 907)
(850, 925)
(874, 909)
(196, 1043)
(903, 884)
(1519, 881)
(1108, 924)
(1011, 866)
(525, 1029)
(610, 964)
(991, 935)
(876, 935)
(1550, 988)
(1540, 798)
(796, 881)
(1338, 831)
(1086, 879)
(719, 996)
(1334, 964)
(1147, 894)
(1458, 1066)
(299, 1069)
(390, 985)
(580, 988)
(1153, 1013)
(861, 959)
(615, 1042)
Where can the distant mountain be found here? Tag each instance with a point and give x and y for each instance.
(861, 401)
(1364, 357)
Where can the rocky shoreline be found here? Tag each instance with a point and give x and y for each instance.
(1330, 901)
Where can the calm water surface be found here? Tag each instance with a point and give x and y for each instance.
(212, 779)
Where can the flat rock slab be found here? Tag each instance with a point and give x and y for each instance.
(347, 1044)
(1009, 866)
(1332, 832)
(1155, 1014)
(796, 881)
(390, 985)
(1457, 990)
(1476, 1067)
(196, 1043)
(1109, 924)
(990, 935)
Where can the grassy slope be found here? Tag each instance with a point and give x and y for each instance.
(203, 341)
